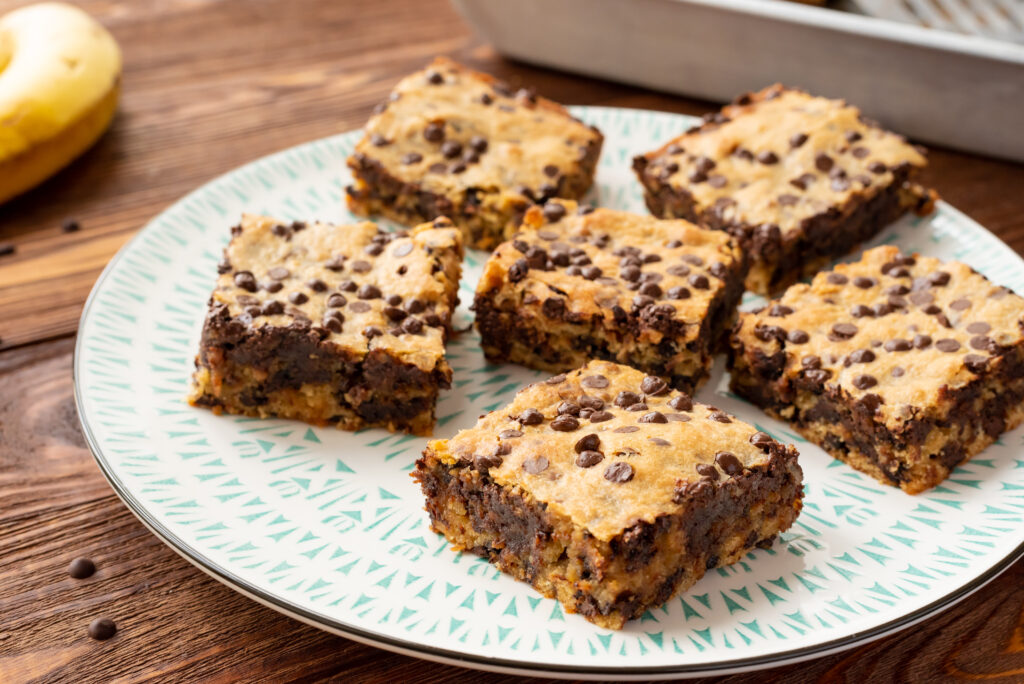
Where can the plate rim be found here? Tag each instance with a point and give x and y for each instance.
(453, 657)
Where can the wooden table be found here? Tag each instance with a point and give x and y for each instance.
(208, 86)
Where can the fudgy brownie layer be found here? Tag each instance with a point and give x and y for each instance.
(274, 366)
(485, 214)
(778, 260)
(564, 342)
(614, 581)
(919, 456)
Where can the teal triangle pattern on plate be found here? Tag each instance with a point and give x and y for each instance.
(330, 524)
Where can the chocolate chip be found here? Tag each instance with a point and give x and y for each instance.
(372, 331)
(492, 460)
(768, 157)
(333, 321)
(587, 443)
(864, 381)
(335, 263)
(593, 403)
(728, 462)
(272, 286)
(360, 266)
(762, 440)
(595, 382)
(981, 343)
(978, 328)
(653, 386)
(707, 470)
(412, 325)
(798, 337)
(652, 417)
(898, 345)
(862, 356)
(589, 458)
(822, 161)
(535, 466)
(81, 568)
(625, 399)
(922, 341)
(938, 278)
(553, 212)
(803, 181)
(298, 298)
(618, 472)
(947, 345)
(568, 408)
(779, 311)
(434, 78)
(719, 417)
(555, 379)
(811, 361)
(565, 424)
(864, 282)
(510, 434)
(636, 408)
(717, 181)
(797, 139)
(960, 304)
(897, 372)
(412, 158)
(368, 291)
(486, 99)
(681, 402)
(877, 167)
(102, 629)
(699, 281)
(531, 416)
(246, 281)
(837, 278)
(842, 331)
(600, 416)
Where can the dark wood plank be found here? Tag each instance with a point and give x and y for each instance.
(209, 86)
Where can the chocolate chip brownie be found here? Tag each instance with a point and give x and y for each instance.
(798, 179)
(576, 284)
(340, 325)
(605, 489)
(901, 366)
(453, 142)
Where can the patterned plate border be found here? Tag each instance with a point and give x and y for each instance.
(520, 666)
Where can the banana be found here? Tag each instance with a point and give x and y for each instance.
(60, 74)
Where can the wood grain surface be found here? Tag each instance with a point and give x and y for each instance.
(209, 85)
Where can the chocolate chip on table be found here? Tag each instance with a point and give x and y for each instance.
(947, 345)
(102, 629)
(81, 568)
(535, 466)
(531, 416)
(618, 472)
(728, 462)
(864, 381)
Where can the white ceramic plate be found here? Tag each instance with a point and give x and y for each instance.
(327, 526)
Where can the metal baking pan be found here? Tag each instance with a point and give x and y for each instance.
(943, 88)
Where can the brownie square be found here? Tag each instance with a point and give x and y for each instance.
(901, 366)
(342, 325)
(800, 180)
(453, 142)
(608, 491)
(580, 284)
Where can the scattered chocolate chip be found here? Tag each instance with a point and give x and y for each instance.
(412, 158)
(246, 281)
(978, 328)
(823, 162)
(864, 381)
(272, 308)
(922, 341)
(768, 157)
(531, 416)
(947, 345)
(898, 345)
(565, 423)
(535, 466)
(842, 331)
(589, 458)
(595, 382)
(600, 416)
(981, 343)
(681, 402)
(717, 181)
(897, 372)
(938, 278)
(863, 282)
(862, 356)
(837, 278)
(699, 281)
(298, 298)
(510, 434)
(625, 399)
(652, 417)
(877, 167)
(70, 226)
(797, 139)
(626, 429)
(81, 568)
(762, 440)
(653, 386)
(811, 361)
(553, 212)
(412, 325)
(719, 417)
(707, 470)
(960, 304)
(618, 472)
(102, 629)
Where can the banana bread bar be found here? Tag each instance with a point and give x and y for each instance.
(328, 324)
(608, 491)
(800, 180)
(453, 142)
(901, 366)
(571, 286)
